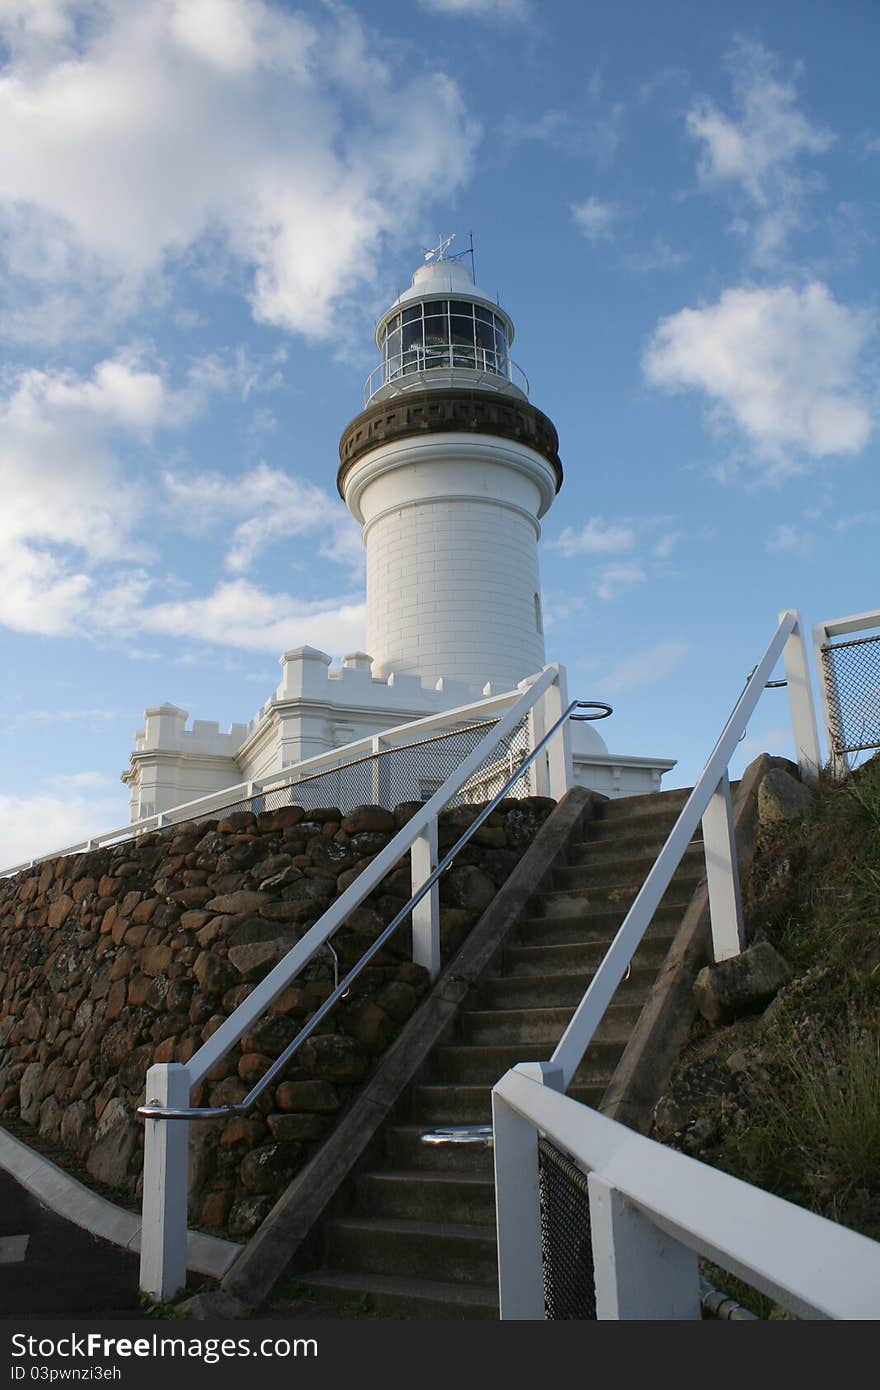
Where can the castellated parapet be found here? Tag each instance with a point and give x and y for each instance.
(313, 709)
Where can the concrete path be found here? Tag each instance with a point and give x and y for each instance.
(50, 1268)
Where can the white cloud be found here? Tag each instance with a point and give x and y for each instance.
(647, 667)
(615, 579)
(49, 820)
(479, 9)
(788, 539)
(131, 135)
(274, 506)
(757, 150)
(663, 548)
(69, 505)
(781, 365)
(597, 537)
(240, 614)
(595, 218)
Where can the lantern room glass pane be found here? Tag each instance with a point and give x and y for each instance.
(392, 353)
(436, 330)
(409, 315)
(412, 335)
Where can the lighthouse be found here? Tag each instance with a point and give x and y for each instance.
(449, 470)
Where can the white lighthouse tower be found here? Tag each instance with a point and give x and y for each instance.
(449, 470)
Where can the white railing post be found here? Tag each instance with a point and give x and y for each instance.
(639, 1272)
(722, 874)
(559, 763)
(827, 694)
(800, 699)
(518, 1203)
(375, 766)
(426, 914)
(539, 774)
(166, 1184)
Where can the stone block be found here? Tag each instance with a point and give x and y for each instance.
(743, 984)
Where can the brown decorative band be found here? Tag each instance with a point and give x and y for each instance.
(448, 411)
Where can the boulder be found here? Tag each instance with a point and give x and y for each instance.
(741, 985)
(333, 1057)
(270, 1166)
(364, 818)
(214, 973)
(115, 1143)
(782, 798)
(253, 961)
(468, 888)
(245, 900)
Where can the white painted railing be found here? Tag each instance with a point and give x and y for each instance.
(435, 725)
(653, 1211)
(709, 803)
(542, 701)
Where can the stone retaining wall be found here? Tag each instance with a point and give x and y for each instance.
(113, 960)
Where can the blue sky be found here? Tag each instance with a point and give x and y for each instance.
(205, 204)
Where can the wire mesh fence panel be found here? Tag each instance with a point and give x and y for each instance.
(391, 776)
(566, 1248)
(851, 672)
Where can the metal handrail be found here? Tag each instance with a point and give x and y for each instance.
(404, 368)
(589, 1012)
(152, 1111)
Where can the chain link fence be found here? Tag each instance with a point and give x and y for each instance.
(392, 776)
(566, 1249)
(851, 674)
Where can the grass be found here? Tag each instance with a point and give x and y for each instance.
(799, 1114)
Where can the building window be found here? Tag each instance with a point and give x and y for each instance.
(539, 621)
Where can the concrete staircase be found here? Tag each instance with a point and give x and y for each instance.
(418, 1238)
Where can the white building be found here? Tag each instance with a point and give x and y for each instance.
(449, 470)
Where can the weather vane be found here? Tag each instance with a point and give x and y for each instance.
(439, 251)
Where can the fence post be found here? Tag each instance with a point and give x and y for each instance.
(518, 1203)
(800, 698)
(539, 775)
(722, 873)
(426, 914)
(560, 768)
(375, 767)
(640, 1272)
(166, 1184)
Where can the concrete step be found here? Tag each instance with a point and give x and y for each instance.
(606, 897)
(417, 1195)
(390, 1296)
(632, 868)
(527, 1025)
(541, 991)
(487, 1064)
(471, 1103)
(593, 926)
(461, 1251)
(648, 803)
(405, 1150)
(570, 957)
(617, 846)
(622, 829)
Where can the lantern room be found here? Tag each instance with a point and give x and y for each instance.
(444, 330)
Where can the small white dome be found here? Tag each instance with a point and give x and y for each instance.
(585, 738)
